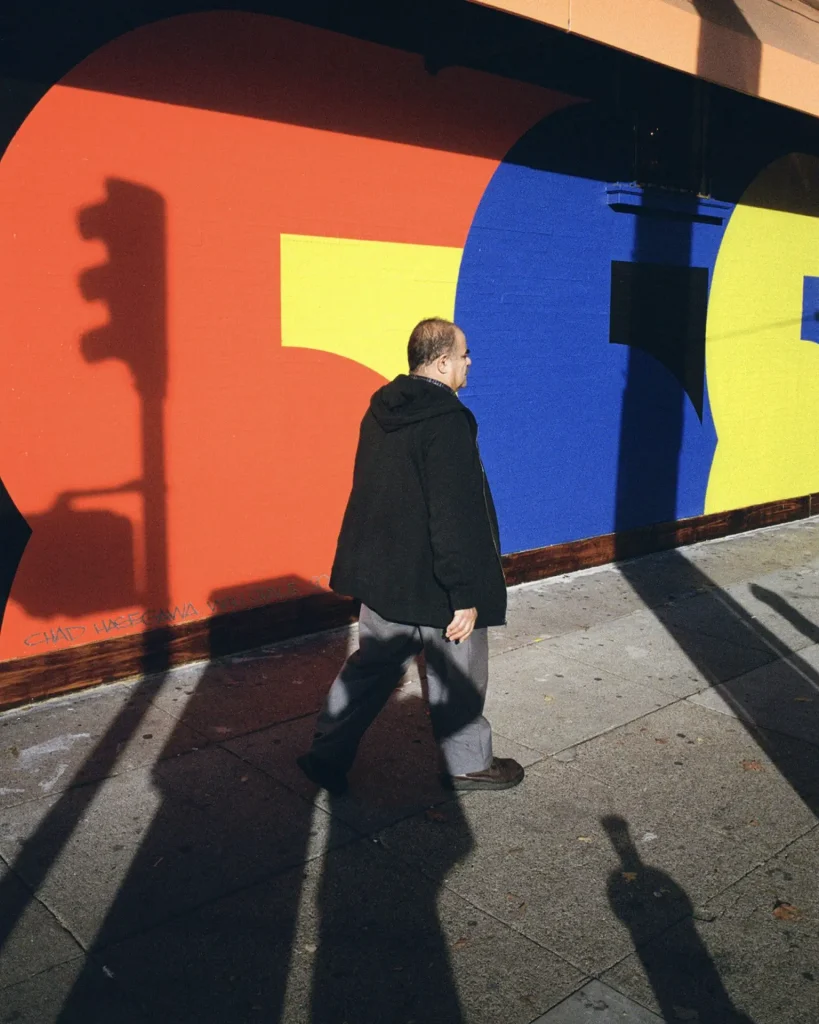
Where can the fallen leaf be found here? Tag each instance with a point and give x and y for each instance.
(804, 700)
(660, 739)
(752, 766)
(460, 943)
(244, 778)
(548, 698)
(629, 876)
(786, 911)
(310, 947)
(753, 821)
(585, 839)
(432, 815)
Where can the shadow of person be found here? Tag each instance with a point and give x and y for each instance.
(679, 968)
(383, 952)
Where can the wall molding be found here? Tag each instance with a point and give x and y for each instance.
(24, 680)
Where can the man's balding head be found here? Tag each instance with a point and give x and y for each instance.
(437, 349)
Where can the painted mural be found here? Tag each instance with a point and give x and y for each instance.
(211, 254)
(213, 249)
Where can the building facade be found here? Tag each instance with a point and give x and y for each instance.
(218, 228)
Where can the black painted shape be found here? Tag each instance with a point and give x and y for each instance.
(661, 310)
(14, 535)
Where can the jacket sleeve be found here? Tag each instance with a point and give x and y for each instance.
(458, 518)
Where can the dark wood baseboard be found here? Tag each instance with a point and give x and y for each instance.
(27, 679)
(539, 563)
(73, 668)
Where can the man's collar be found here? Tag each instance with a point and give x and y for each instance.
(431, 380)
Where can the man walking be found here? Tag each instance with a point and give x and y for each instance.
(419, 548)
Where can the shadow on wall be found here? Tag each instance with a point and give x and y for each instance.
(743, 57)
(84, 559)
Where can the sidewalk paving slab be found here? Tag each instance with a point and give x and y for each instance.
(395, 775)
(758, 957)
(652, 824)
(393, 946)
(776, 610)
(71, 993)
(560, 605)
(248, 691)
(783, 696)
(538, 861)
(715, 614)
(597, 1003)
(705, 770)
(49, 747)
(37, 940)
(126, 853)
(548, 702)
(641, 649)
(745, 556)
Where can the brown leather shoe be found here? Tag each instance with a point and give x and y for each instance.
(502, 773)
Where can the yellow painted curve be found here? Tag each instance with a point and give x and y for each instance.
(763, 380)
(360, 299)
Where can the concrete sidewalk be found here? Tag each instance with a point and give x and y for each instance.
(164, 861)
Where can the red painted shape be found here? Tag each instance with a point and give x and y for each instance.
(209, 456)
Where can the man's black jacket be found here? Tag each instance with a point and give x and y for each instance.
(420, 535)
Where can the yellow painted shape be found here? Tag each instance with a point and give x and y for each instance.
(763, 380)
(361, 299)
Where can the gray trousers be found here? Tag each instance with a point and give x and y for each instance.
(457, 677)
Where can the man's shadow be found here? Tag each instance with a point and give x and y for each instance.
(383, 955)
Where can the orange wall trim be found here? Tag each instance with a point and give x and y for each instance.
(47, 675)
(674, 34)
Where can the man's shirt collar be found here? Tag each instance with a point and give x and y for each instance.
(431, 380)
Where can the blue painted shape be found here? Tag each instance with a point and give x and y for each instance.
(579, 437)
(810, 309)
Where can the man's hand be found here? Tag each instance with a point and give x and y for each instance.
(463, 622)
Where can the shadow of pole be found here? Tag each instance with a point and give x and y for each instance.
(650, 445)
(131, 221)
(202, 924)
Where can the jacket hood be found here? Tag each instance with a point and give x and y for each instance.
(407, 400)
